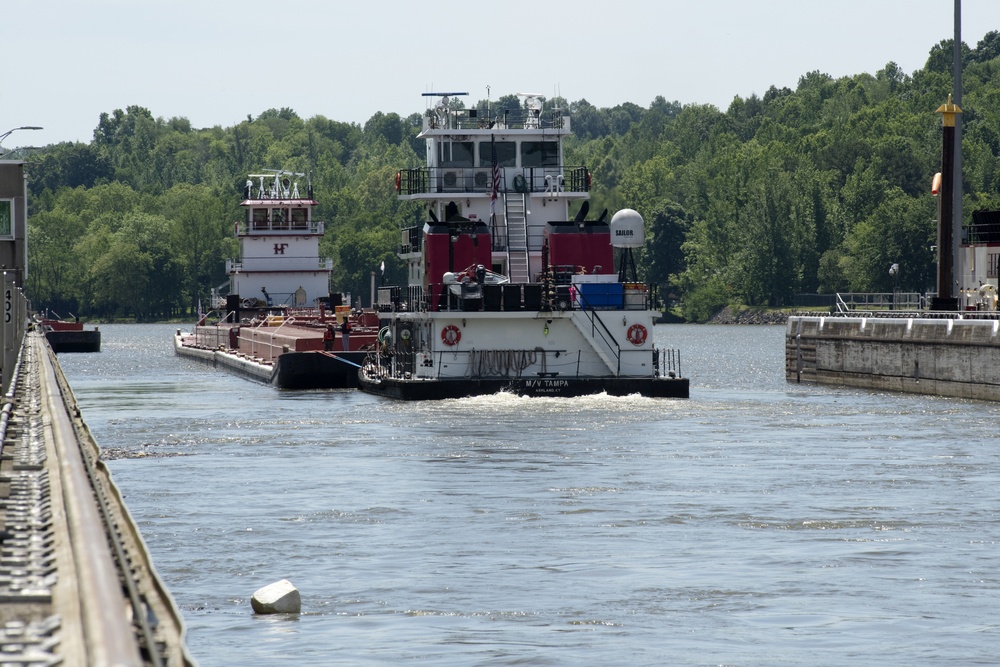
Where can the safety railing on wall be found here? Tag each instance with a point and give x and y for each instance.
(15, 322)
(852, 302)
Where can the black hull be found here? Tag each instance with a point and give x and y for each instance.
(292, 370)
(426, 390)
(317, 370)
(74, 341)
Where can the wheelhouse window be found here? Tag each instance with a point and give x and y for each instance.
(299, 216)
(539, 154)
(506, 154)
(279, 218)
(456, 154)
(259, 217)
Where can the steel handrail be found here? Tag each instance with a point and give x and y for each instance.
(594, 319)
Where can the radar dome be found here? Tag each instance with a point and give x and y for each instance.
(627, 229)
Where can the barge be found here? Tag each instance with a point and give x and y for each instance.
(70, 336)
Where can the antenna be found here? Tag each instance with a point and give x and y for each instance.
(441, 110)
(534, 104)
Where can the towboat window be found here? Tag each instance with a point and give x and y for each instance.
(506, 154)
(456, 154)
(279, 218)
(260, 218)
(539, 154)
(299, 216)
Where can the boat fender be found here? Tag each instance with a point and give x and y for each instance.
(519, 184)
(637, 334)
(451, 335)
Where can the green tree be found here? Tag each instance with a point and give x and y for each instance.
(70, 165)
(988, 47)
(669, 227)
(200, 232)
(55, 273)
(133, 271)
(900, 230)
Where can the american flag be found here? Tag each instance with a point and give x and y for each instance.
(496, 176)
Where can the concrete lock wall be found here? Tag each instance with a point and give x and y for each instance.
(945, 357)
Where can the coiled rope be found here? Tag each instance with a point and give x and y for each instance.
(504, 363)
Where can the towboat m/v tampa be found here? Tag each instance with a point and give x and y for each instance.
(506, 290)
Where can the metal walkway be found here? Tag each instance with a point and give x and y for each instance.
(76, 584)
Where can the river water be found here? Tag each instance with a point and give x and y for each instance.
(757, 523)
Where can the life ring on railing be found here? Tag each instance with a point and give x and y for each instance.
(451, 335)
(399, 180)
(637, 334)
(519, 184)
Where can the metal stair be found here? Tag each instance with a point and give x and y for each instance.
(517, 237)
(597, 333)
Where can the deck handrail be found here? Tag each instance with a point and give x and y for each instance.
(595, 319)
(542, 179)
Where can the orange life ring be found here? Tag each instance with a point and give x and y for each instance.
(399, 179)
(637, 334)
(451, 335)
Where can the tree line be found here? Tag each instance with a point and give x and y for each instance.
(817, 189)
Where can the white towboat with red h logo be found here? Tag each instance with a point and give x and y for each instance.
(507, 291)
(279, 323)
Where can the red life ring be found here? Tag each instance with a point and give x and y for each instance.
(451, 335)
(399, 178)
(636, 334)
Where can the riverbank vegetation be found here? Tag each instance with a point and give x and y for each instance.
(816, 189)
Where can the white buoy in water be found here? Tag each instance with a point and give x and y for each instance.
(281, 597)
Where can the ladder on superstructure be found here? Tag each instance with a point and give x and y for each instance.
(517, 237)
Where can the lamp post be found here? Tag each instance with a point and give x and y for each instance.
(894, 273)
(945, 280)
(12, 131)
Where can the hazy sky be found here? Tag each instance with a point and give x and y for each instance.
(217, 61)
